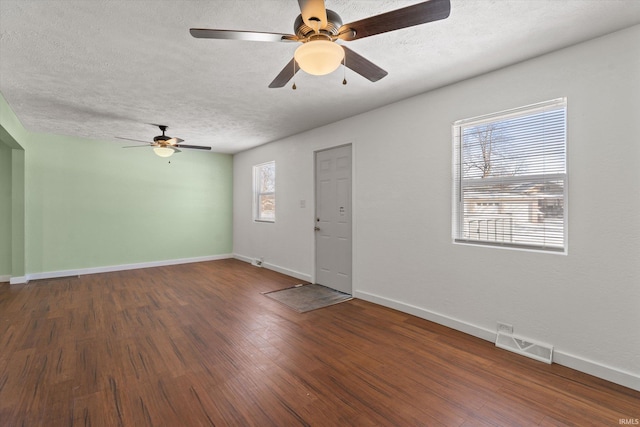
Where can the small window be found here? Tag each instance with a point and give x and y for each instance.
(510, 181)
(264, 190)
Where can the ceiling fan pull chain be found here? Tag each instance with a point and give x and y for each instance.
(294, 73)
(344, 68)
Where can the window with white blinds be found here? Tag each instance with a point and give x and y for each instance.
(264, 192)
(510, 178)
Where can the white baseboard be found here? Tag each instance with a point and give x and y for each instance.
(578, 363)
(5, 278)
(18, 280)
(596, 369)
(277, 268)
(441, 319)
(112, 268)
(292, 273)
(243, 258)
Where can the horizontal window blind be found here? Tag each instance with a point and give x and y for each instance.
(264, 189)
(510, 178)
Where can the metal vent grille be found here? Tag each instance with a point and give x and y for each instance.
(525, 347)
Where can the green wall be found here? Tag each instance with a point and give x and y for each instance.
(13, 214)
(18, 220)
(5, 210)
(91, 204)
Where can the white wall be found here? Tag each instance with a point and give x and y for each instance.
(586, 304)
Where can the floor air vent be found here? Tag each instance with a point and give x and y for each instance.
(538, 351)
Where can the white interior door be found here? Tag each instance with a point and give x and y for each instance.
(333, 218)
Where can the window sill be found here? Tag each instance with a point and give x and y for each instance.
(523, 248)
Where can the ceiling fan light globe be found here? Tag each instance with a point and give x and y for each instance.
(319, 57)
(163, 151)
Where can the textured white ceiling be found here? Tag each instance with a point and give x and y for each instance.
(104, 68)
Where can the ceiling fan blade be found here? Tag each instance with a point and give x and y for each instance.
(421, 13)
(174, 141)
(204, 33)
(285, 75)
(313, 11)
(193, 147)
(136, 140)
(362, 66)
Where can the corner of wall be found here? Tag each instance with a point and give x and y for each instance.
(12, 133)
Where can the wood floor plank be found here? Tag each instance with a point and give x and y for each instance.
(199, 345)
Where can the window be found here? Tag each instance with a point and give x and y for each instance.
(264, 191)
(510, 181)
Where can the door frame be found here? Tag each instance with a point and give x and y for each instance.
(353, 211)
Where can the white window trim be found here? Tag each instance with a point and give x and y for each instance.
(458, 185)
(257, 194)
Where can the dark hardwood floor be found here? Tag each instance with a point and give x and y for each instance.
(198, 345)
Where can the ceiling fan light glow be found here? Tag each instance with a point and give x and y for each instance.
(163, 151)
(319, 57)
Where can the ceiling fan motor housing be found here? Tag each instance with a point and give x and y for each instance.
(303, 31)
(161, 138)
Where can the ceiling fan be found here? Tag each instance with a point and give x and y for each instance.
(164, 145)
(318, 29)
